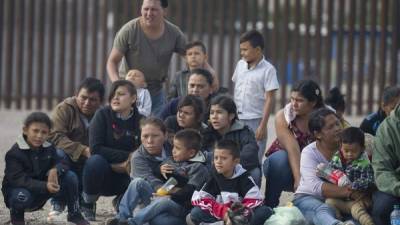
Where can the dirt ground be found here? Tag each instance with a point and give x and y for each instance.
(10, 128)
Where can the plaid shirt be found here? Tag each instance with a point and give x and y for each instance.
(359, 171)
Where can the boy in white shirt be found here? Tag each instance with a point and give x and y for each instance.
(255, 82)
(143, 102)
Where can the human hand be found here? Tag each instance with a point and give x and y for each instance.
(296, 183)
(261, 132)
(86, 152)
(52, 176)
(52, 181)
(52, 187)
(166, 169)
(120, 167)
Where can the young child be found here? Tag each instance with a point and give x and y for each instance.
(143, 102)
(255, 79)
(225, 125)
(354, 162)
(390, 99)
(229, 183)
(188, 168)
(335, 99)
(33, 173)
(196, 58)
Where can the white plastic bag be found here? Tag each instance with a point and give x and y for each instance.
(287, 215)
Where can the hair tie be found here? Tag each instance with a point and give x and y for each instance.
(317, 92)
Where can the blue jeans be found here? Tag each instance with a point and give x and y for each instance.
(157, 207)
(253, 125)
(278, 176)
(260, 215)
(99, 179)
(21, 199)
(157, 102)
(138, 191)
(382, 206)
(315, 210)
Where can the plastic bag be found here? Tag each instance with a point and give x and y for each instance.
(287, 215)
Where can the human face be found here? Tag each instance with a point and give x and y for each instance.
(301, 105)
(351, 151)
(186, 117)
(180, 153)
(122, 101)
(152, 139)
(198, 86)
(88, 102)
(220, 119)
(388, 108)
(330, 133)
(250, 54)
(152, 13)
(36, 134)
(224, 162)
(195, 57)
(137, 78)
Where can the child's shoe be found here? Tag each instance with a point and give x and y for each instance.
(56, 214)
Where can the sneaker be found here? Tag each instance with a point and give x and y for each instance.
(56, 218)
(77, 219)
(115, 203)
(17, 217)
(89, 211)
(56, 214)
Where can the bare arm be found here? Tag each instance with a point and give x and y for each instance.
(288, 142)
(261, 130)
(215, 84)
(113, 60)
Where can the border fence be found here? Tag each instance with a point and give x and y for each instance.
(48, 46)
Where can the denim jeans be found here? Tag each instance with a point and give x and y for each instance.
(138, 191)
(253, 125)
(260, 215)
(278, 176)
(99, 180)
(75, 167)
(382, 206)
(21, 199)
(157, 102)
(315, 210)
(157, 207)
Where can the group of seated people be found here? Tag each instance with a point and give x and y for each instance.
(87, 150)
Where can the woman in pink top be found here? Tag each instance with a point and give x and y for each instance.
(282, 166)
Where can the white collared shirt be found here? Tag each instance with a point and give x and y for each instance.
(250, 87)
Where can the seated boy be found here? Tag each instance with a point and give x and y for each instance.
(229, 183)
(143, 101)
(33, 173)
(354, 162)
(188, 168)
(390, 98)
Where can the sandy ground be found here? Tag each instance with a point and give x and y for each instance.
(10, 128)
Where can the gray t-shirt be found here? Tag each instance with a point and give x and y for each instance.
(152, 57)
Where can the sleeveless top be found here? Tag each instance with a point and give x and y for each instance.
(303, 139)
